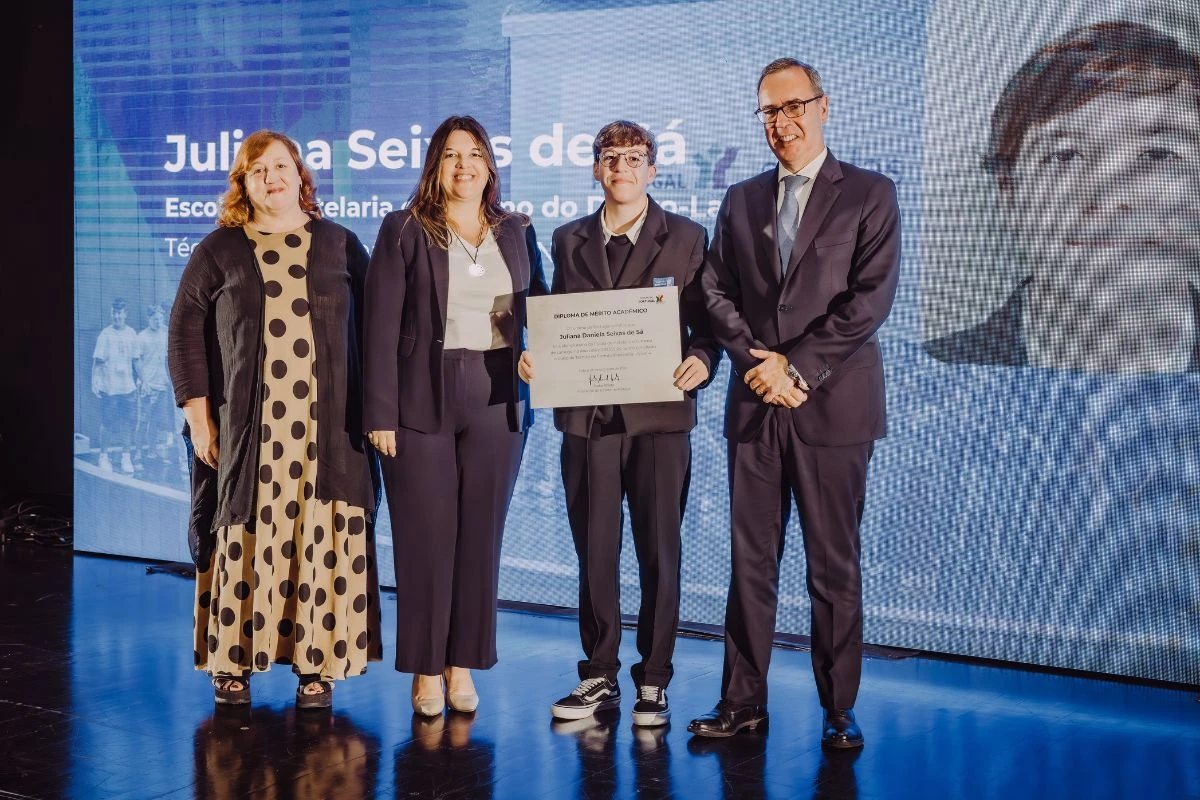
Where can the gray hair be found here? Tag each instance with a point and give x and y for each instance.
(780, 64)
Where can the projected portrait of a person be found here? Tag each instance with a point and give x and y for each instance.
(1095, 151)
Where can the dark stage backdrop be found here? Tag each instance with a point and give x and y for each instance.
(35, 272)
(1044, 511)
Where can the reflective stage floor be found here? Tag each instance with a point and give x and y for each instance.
(98, 698)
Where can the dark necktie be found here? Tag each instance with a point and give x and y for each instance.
(617, 249)
(788, 221)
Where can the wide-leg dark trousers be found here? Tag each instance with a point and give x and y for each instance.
(828, 484)
(448, 494)
(652, 471)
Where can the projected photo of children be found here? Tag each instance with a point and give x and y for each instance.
(114, 385)
(156, 429)
(1094, 159)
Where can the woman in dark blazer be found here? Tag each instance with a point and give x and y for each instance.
(445, 316)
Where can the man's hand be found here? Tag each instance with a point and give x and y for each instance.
(769, 379)
(793, 398)
(525, 367)
(690, 374)
(383, 441)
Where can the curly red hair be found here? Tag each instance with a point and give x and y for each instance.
(236, 209)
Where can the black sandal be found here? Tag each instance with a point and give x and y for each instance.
(321, 699)
(226, 696)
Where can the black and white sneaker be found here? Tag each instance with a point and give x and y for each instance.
(590, 696)
(651, 708)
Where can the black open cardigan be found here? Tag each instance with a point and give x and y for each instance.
(215, 349)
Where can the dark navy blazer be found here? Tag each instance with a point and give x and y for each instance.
(408, 282)
(839, 287)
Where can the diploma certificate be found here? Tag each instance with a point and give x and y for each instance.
(608, 347)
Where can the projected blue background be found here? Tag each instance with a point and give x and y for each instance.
(1024, 514)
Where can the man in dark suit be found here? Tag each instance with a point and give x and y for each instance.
(801, 273)
(641, 450)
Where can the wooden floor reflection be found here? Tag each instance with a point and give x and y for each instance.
(98, 698)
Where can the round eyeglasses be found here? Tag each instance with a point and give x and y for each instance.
(633, 159)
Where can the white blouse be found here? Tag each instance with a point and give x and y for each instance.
(480, 300)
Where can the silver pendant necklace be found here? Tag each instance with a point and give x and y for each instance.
(476, 270)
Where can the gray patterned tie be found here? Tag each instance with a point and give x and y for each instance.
(788, 221)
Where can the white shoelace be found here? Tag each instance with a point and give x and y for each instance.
(649, 693)
(587, 685)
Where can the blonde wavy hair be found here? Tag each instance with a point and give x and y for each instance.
(236, 208)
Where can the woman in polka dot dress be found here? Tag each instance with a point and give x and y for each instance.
(264, 350)
(446, 294)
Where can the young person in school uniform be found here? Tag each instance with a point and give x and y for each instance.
(640, 451)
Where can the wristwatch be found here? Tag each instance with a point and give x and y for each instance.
(797, 378)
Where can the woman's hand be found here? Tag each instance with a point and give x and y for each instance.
(384, 442)
(203, 430)
(525, 367)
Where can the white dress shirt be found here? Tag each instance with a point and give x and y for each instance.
(634, 230)
(810, 171)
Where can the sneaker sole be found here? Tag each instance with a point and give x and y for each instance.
(651, 719)
(582, 712)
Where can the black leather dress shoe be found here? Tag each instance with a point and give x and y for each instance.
(840, 730)
(727, 718)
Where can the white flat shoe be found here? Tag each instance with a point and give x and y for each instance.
(428, 706)
(464, 702)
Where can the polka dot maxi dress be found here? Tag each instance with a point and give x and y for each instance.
(290, 586)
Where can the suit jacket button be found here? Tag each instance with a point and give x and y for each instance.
(785, 307)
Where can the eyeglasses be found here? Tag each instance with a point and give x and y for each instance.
(793, 109)
(633, 159)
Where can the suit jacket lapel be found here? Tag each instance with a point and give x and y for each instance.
(510, 240)
(592, 257)
(647, 248)
(760, 203)
(439, 265)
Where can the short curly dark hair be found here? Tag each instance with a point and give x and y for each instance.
(624, 133)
